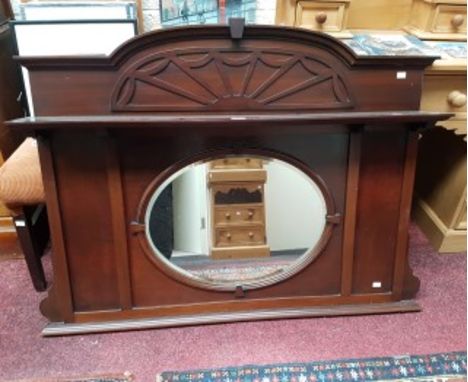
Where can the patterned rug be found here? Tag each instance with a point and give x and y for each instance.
(125, 377)
(445, 367)
(236, 269)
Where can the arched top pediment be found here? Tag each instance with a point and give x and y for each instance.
(199, 34)
(230, 79)
(205, 69)
(200, 69)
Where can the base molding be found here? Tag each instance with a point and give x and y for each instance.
(442, 238)
(61, 328)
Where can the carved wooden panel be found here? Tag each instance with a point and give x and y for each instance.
(216, 79)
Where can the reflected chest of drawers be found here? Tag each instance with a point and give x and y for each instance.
(237, 204)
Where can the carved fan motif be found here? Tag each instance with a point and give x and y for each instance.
(229, 80)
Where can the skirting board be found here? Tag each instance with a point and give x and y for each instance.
(60, 328)
(443, 239)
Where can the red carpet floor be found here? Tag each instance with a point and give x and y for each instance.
(441, 327)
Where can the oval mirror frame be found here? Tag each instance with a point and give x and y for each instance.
(139, 226)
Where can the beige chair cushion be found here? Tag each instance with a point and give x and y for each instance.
(20, 177)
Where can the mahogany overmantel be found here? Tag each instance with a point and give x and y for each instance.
(110, 128)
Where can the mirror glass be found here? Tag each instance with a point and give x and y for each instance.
(236, 219)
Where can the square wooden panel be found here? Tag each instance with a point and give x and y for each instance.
(323, 16)
(239, 214)
(237, 193)
(446, 93)
(239, 236)
(240, 252)
(236, 163)
(437, 20)
(449, 19)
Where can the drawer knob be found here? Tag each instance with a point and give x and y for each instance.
(456, 98)
(228, 215)
(251, 235)
(321, 18)
(228, 235)
(250, 214)
(457, 20)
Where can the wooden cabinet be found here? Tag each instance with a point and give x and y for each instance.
(438, 19)
(238, 210)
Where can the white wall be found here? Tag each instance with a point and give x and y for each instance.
(190, 206)
(295, 208)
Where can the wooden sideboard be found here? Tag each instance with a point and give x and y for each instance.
(113, 130)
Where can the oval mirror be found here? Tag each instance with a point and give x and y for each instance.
(236, 221)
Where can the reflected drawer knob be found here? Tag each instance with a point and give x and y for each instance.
(457, 20)
(228, 215)
(251, 235)
(321, 18)
(456, 98)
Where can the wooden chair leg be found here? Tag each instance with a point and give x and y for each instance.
(33, 233)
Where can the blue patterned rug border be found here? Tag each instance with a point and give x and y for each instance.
(344, 370)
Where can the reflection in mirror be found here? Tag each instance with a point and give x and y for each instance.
(235, 219)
